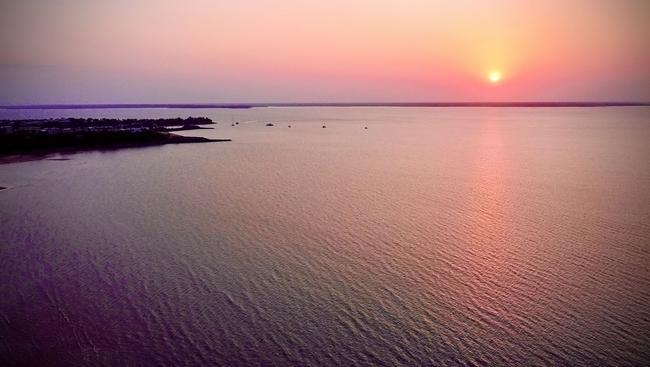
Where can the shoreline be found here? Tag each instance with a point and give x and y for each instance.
(46, 153)
(29, 140)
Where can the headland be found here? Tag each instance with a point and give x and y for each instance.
(35, 139)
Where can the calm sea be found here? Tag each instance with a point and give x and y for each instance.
(436, 236)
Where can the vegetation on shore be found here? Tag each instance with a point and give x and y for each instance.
(41, 137)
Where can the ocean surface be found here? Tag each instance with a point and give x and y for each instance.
(436, 236)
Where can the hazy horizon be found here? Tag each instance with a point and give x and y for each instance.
(92, 52)
(324, 183)
(257, 104)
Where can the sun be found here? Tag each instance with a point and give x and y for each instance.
(494, 76)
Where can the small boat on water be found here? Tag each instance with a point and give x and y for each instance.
(269, 124)
(324, 126)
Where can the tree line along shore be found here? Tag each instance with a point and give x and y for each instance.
(46, 136)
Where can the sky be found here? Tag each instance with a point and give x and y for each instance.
(218, 51)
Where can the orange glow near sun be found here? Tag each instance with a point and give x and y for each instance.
(494, 76)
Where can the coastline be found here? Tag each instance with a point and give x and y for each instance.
(28, 155)
(29, 140)
(44, 153)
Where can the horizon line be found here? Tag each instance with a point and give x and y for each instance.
(237, 105)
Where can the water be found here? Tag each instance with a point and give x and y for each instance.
(438, 236)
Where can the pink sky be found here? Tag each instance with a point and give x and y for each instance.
(88, 51)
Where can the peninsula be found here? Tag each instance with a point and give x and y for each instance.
(41, 137)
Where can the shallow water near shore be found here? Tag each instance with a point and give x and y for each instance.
(436, 236)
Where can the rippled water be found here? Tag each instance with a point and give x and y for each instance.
(438, 236)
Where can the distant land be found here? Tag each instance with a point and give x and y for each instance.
(323, 104)
(35, 139)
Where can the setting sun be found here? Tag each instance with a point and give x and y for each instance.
(494, 76)
(305, 182)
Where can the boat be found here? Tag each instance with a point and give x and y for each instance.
(269, 124)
